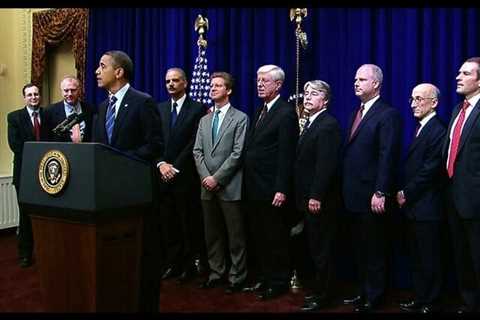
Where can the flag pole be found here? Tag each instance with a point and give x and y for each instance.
(297, 15)
(201, 77)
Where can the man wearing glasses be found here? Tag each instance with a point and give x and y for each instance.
(421, 198)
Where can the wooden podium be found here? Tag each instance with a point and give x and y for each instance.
(90, 243)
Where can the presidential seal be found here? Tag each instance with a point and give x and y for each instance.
(53, 172)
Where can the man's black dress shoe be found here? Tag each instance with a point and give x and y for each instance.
(366, 306)
(25, 262)
(256, 287)
(233, 288)
(313, 305)
(352, 300)
(272, 293)
(311, 296)
(428, 308)
(186, 276)
(210, 284)
(411, 306)
(463, 310)
(170, 272)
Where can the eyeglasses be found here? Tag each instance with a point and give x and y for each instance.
(419, 99)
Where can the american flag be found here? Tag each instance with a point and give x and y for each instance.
(200, 87)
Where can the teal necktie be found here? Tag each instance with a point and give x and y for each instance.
(215, 126)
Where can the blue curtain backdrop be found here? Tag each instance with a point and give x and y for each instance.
(411, 45)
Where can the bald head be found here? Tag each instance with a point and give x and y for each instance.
(424, 100)
(429, 89)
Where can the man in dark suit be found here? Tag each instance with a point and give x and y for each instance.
(218, 151)
(317, 188)
(461, 153)
(128, 121)
(268, 181)
(182, 226)
(25, 125)
(58, 112)
(370, 158)
(421, 197)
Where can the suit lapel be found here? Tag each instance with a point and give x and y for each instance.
(208, 131)
(122, 113)
(102, 114)
(165, 114)
(26, 122)
(446, 144)
(225, 123)
(467, 128)
(268, 117)
(311, 129)
(371, 112)
(421, 136)
(182, 115)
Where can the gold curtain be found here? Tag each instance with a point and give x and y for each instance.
(52, 27)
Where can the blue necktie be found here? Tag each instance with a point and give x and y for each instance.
(215, 127)
(173, 118)
(110, 118)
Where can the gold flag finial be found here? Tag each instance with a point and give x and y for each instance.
(201, 26)
(298, 14)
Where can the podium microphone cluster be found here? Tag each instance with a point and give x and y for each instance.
(68, 123)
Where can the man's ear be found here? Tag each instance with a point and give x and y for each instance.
(119, 72)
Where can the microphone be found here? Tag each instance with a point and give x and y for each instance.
(68, 123)
(61, 126)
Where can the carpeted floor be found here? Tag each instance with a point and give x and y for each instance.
(20, 292)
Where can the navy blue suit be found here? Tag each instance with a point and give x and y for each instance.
(369, 164)
(424, 192)
(137, 129)
(55, 114)
(180, 198)
(317, 177)
(463, 209)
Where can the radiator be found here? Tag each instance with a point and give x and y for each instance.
(8, 203)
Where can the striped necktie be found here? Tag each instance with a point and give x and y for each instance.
(110, 118)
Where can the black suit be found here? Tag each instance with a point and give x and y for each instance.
(464, 206)
(55, 114)
(369, 163)
(137, 131)
(20, 130)
(317, 177)
(180, 197)
(268, 168)
(137, 128)
(423, 190)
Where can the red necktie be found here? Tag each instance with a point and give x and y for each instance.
(357, 120)
(457, 133)
(36, 126)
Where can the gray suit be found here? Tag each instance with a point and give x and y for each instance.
(221, 209)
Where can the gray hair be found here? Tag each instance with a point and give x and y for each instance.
(435, 92)
(377, 72)
(319, 85)
(70, 77)
(183, 75)
(276, 72)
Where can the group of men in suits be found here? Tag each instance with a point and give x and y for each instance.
(257, 179)
(441, 164)
(33, 123)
